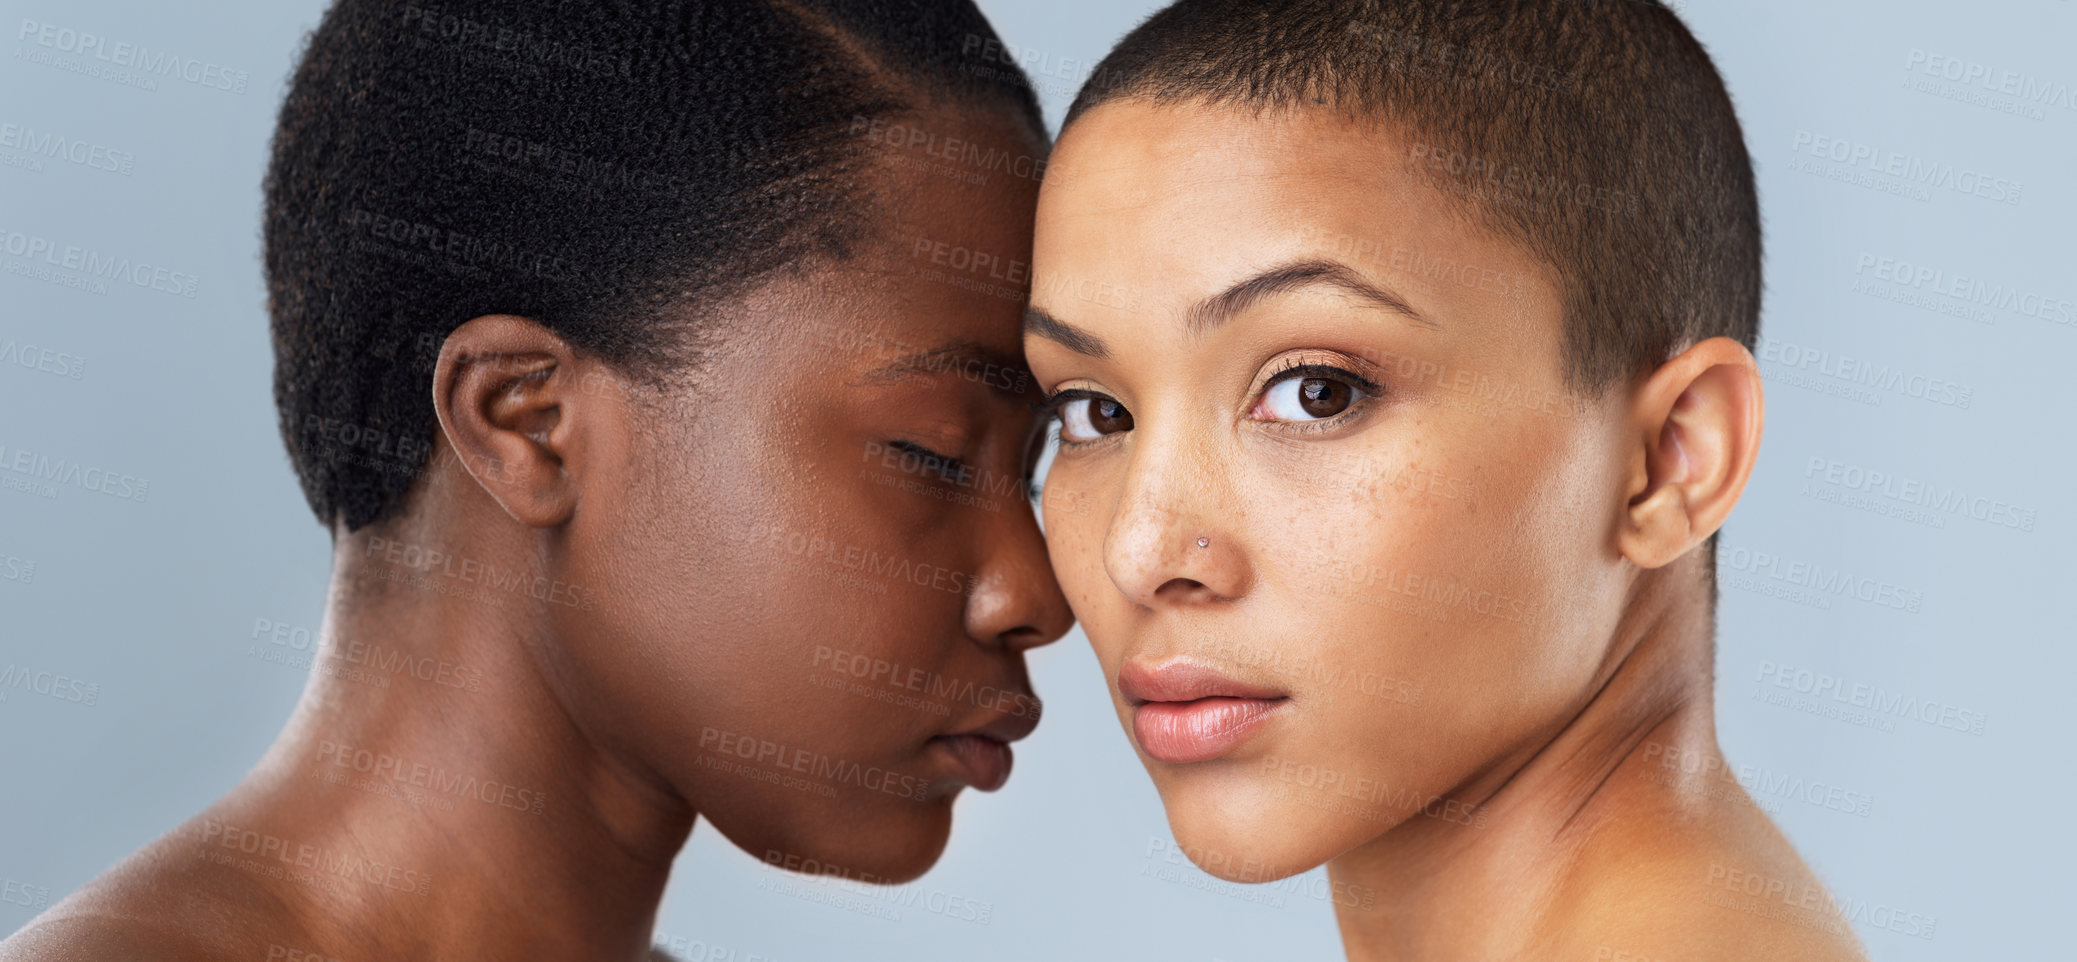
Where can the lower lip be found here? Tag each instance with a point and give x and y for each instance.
(980, 761)
(1180, 732)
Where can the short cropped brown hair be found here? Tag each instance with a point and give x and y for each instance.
(1595, 132)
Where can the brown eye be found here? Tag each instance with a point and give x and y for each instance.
(1090, 418)
(1323, 398)
(1109, 417)
(1307, 399)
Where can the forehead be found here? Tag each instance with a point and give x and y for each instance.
(878, 322)
(1171, 202)
(934, 294)
(946, 255)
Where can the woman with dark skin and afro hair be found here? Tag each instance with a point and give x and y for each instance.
(656, 369)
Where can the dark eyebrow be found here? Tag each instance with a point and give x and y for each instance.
(967, 359)
(1037, 321)
(1219, 308)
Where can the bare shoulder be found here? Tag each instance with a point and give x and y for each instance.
(90, 937)
(1689, 922)
(157, 906)
(1657, 902)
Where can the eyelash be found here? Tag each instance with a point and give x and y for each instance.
(1302, 368)
(951, 465)
(1048, 411)
(1048, 408)
(1294, 368)
(947, 464)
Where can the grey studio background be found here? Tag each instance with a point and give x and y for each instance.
(1891, 674)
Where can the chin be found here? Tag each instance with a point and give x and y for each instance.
(881, 845)
(899, 846)
(1249, 835)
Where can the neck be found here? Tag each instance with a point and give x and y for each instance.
(1448, 890)
(432, 741)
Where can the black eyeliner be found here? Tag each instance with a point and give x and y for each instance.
(1048, 407)
(1367, 385)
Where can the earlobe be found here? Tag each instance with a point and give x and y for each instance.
(1697, 421)
(502, 389)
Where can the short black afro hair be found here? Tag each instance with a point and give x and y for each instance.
(1595, 132)
(595, 165)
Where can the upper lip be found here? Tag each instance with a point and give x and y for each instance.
(1141, 682)
(1007, 727)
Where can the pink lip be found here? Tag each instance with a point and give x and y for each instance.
(1180, 732)
(1183, 681)
(1185, 712)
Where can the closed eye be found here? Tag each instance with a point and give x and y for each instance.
(943, 465)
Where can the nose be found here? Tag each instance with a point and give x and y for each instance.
(1013, 600)
(1171, 541)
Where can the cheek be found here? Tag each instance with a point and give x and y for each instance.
(1560, 507)
(723, 609)
(1074, 529)
(1457, 582)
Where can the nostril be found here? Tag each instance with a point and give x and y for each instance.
(1026, 637)
(1181, 588)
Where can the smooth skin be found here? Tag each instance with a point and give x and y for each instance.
(1362, 481)
(696, 560)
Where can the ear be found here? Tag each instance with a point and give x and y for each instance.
(504, 388)
(1697, 421)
